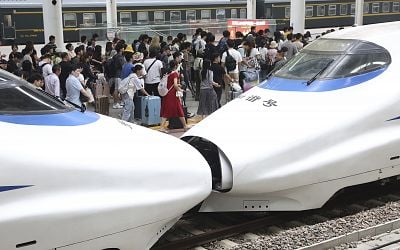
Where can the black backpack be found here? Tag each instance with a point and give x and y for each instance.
(110, 70)
(230, 62)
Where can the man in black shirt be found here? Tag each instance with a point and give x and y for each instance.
(66, 68)
(218, 75)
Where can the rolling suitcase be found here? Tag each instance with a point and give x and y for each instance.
(175, 122)
(150, 108)
(102, 105)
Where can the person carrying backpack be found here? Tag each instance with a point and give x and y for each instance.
(231, 59)
(128, 88)
(222, 47)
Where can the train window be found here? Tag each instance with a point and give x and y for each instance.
(287, 12)
(375, 7)
(330, 45)
(320, 10)
(159, 17)
(7, 21)
(220, 14)
(243, 13)
(175, 16)
(366, 8)
(205, 14)
(104, 18)
(233, 13)
(143, 17)
(343, 9)
(306, 65)
(358, 64)
(352, 9)
(125, 18)
(20, 99)
(332, 10)
(309, 11)
(70, 20)
(89, 19)
(385, 7)
(396, 6)
(190, 15)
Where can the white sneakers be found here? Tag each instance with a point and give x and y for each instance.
(117, 106)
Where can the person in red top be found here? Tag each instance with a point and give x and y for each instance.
(170, 104)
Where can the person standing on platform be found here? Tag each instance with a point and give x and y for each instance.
(133, 84)
(127, 68)
(233, 71)
(291, 47)
(115, 77)
(218, 76)
(170, 104)
(153, 67)
(52, 42)
(74, 87)
(52, 81)
(208, 98)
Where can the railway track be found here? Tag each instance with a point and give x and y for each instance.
(231, 230)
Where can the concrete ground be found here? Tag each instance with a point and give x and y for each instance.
(191, 104)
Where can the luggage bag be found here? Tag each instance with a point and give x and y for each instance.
(150, 110)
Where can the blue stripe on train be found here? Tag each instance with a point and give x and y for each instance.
(283, 84)
(9, 188)
(73, 118)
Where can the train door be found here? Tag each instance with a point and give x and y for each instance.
(8, 27)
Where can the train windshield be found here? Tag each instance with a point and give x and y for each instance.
(335, 58)
(18, 97)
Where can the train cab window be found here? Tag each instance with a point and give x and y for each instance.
(332, 10)
(335, 58)
(375, 7)
(233, 13)
(220, 14)
(190, 15)
(366, 8)
(159, 17)
(396, 7)
(287, 12)
(104, 18)
(205, 14)
(320, 10)
(143, 17)
(352, 9)
(70, 20)
(309, 11)
(243, 13)
(20, 99)
(385, 7)
(89, 19)
(175, 16)
(343, 9)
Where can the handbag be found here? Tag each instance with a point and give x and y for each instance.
(179, 94)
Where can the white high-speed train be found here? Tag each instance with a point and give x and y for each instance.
(81, 181)
(329, 119)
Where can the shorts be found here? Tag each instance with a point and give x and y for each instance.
(114, 83)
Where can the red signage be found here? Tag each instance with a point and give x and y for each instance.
(244, 25)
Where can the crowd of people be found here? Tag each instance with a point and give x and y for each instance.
(198, 65)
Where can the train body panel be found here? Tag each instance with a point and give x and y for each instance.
(295, 145)
(73, 180)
